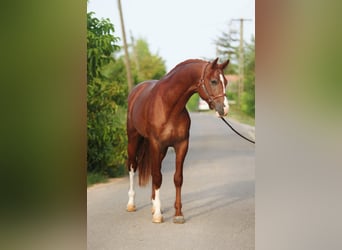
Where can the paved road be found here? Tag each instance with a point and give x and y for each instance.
(218, 198)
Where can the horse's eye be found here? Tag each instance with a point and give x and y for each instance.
(214, 82)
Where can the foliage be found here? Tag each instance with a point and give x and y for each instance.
(100, 44)
(105, 101)
(145, 65)
(192, 104)
(227, 48)
(93, 178)
(248, 96)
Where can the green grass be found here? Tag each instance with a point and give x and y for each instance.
(93, 178)
(237, 114)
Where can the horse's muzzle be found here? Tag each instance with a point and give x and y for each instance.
(221, 109)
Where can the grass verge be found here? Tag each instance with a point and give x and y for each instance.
(93, 178)
(237, 114)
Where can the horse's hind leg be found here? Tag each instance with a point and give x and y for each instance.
(131, 193)
(134, 140)
(158, 155)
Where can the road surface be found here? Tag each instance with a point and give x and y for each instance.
(217, 197)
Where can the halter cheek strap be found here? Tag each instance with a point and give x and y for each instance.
(211, 98)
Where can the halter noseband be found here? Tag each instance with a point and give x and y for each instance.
(211, 98)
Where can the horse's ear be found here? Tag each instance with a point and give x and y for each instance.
(214, 63)
(224, 65)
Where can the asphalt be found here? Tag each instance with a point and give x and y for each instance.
(217, 197)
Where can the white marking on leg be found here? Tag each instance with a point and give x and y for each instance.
(131, 193)
(157, 215)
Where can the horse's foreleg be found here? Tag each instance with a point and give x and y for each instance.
(181, 150)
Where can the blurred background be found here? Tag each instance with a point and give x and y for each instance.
(44, 125)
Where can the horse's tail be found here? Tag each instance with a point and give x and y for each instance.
(144, 162)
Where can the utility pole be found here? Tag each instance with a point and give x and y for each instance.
(128, 63)
(241, 59)
(135, 54)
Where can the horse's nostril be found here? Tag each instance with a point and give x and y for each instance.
(219, 107)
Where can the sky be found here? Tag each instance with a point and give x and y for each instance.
(178, 30)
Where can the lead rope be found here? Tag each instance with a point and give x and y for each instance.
(224, 120)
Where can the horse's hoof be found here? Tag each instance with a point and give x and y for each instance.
(153, 210)
(158, 219)
(131, 208)
(178, 219)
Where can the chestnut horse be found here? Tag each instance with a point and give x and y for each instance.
(157, 119)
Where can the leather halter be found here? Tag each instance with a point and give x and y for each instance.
(211, 98)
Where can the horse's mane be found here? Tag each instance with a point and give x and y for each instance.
(184, 63)
(189, 61)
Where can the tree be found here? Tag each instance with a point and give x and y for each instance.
(248, 96)
(227, 48)
(105, 100)
(100, 45)
(146, 65)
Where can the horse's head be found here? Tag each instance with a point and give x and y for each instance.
(212, 87)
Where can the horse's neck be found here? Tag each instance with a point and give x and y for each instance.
(178, 92)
